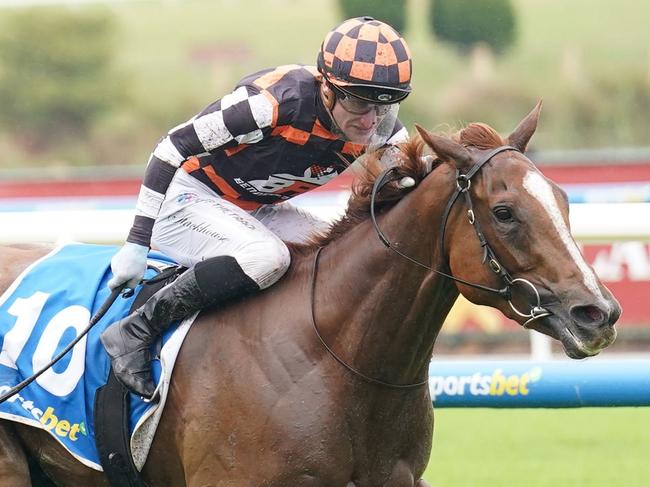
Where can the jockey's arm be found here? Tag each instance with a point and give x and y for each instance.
(237, 118)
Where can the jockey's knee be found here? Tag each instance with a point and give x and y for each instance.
(265, 261)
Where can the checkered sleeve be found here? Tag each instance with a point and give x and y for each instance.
(238, 118)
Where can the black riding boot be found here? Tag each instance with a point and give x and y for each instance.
(128, 341)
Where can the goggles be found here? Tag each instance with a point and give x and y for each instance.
(360, 107)
(357, 106)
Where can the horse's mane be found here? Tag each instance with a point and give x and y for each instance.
(408, 157)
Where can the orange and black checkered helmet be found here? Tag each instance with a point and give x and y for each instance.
(367, 59)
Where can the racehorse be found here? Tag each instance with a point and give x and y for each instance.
(321, 379)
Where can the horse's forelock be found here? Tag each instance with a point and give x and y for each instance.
(479, 135)
(407, 158)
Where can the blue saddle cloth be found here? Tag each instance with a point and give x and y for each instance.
(44, 310)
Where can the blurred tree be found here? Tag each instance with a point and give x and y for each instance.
(56, 76)
(393, 12)
(466, 23)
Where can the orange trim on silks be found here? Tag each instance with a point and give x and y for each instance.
(353, 149)
(274, 76)
(243, 204)
(229, 193)
(191, 164)
(220, 183)
(292, 134)
(320, 131)
(234, 150)
(297, 187)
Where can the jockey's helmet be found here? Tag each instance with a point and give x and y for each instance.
(367, 59)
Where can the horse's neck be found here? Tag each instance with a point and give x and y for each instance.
(380, 311)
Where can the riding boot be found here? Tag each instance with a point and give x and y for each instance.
(128, 341)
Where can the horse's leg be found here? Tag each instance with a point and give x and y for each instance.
(14, 470)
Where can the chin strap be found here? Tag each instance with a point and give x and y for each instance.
(335, 129)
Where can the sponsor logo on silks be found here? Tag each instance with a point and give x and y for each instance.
(291, 184)
(186, 197)
(48, 419)
(479, 384)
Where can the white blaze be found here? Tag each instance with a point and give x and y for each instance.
(541, 190)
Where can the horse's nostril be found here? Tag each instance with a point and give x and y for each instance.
(588, 314)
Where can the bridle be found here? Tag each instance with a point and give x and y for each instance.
(463, 185)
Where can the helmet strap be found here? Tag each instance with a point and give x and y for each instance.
(328, 95)
(329, 100)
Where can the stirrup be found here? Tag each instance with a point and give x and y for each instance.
(132, 388)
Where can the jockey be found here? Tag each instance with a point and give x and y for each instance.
(215, 190)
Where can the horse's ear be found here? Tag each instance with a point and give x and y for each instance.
(521, 135)
(445, 148)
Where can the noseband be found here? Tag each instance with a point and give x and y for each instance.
(463, 184)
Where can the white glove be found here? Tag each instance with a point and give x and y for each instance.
(128, 266)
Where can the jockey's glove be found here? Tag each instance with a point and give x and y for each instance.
(128, 266)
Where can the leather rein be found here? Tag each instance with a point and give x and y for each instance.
(463, 185)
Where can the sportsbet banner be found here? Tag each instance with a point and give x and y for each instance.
(624, 267)
(527, 384)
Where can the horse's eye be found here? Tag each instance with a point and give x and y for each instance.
(503, 214)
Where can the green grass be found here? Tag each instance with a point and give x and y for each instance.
(541, 447)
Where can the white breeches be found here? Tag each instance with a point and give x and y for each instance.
(194, 223)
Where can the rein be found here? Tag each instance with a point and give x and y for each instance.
(463, 184)
(334, 355)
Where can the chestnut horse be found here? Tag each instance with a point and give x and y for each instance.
(321, 379)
